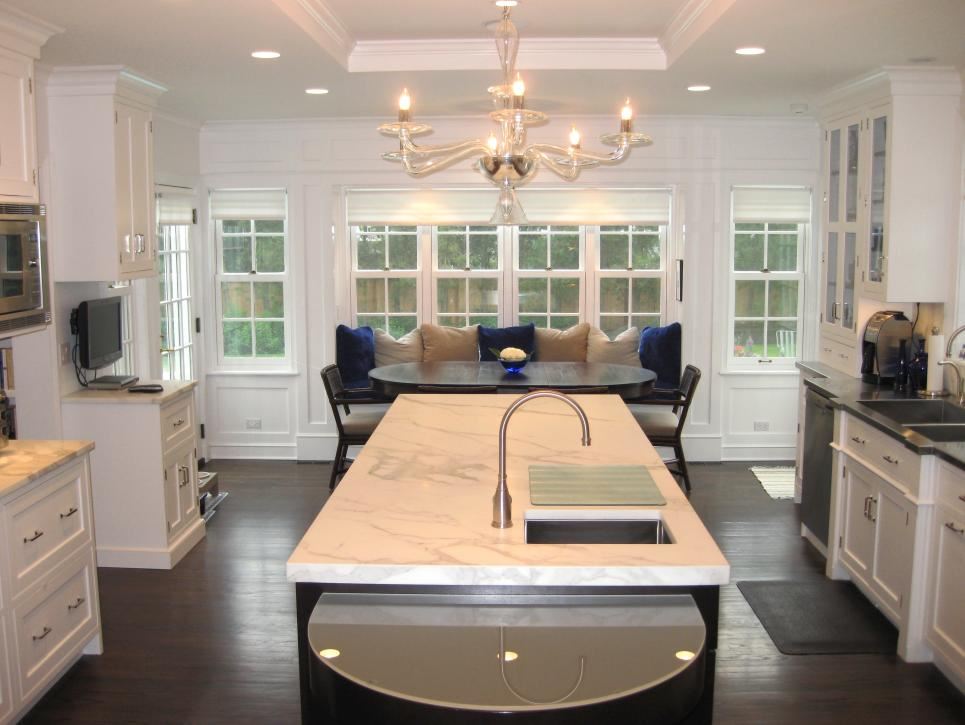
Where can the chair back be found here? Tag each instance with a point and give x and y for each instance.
(334, 389)
(688, 387)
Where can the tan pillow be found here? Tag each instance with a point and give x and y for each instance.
(621, 351)
(389, 351)
(560, 345)
(441, 344)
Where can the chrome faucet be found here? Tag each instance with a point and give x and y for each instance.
(948, 361)
(502, 501)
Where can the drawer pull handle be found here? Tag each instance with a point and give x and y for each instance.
(185, 476)
(75, 605)
(873, 512)
(179, 421)
(37, 535)
(867, 505)
(69, 513)
(891, 460)
(860, 441)
(46, 631)
(951, 526)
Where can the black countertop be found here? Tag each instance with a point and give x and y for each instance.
(846, 393)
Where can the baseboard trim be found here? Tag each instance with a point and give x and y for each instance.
(270, 452)
(809, 536)
(130, 558)
(758, 452)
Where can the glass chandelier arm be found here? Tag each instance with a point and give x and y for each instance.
(559, 167)
(562, 153)
(426, 164)
(409, 147)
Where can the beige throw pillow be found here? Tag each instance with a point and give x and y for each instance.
(560, 345)
(621, 351)
(441, 344)
(389, 351)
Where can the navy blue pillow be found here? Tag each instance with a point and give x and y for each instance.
(354, 355)
(660, 352)
(523, 337)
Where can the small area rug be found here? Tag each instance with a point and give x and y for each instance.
(778, 481)
(819, 617)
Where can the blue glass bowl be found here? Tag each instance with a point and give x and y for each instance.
(513, 367)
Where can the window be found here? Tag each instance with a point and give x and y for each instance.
(467, 275)
(767, 282)
(549, 276)
(253, 276)
(174, 282)
(126, 365)
(386, 277)
(631, 277)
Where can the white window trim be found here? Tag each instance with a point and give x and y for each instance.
(187, 350)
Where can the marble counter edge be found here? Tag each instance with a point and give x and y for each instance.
(124, 397)
(64, 452)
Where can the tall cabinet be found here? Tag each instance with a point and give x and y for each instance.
(101, 137)
(892, 162)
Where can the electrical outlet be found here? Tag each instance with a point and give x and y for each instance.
(253, 424)
(761, 425)
(64, 348)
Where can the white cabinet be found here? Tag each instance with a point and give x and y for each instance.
(18, 145)
(101, 135)
(49, 611)
(145, 472)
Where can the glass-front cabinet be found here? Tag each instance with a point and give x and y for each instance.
(876, 234)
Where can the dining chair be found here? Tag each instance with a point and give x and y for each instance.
(664, 427)
(459, 389)
(354, 426)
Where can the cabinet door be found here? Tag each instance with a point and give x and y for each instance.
(946, 618)
(123, 176)
(18, 150)
(6, 689)
(847, 318)
(188, 485)
(894, 518)
(172, 492)
(180, 487)
(877, 233)
(858, 538)
(142, 190)
(831, 259)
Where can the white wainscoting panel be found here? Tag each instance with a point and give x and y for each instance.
(751, 402)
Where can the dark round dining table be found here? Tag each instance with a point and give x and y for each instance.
(624, 380)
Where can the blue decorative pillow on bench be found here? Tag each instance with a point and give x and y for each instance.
(354, 355)
(660, 352)
(497, 338)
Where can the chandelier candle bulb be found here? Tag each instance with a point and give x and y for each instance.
(626, 117)
(405, 103)
(519, 92)
(574, 138)
(492, 142)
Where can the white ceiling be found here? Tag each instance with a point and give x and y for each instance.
(200, 51)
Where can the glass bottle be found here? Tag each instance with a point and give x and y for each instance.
(901, 369)
(918, 369)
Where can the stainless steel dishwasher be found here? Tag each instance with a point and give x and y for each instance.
(816, 473)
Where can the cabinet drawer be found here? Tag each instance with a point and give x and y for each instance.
(882, 452)
(54, 621)
(951, 488)
(46, 525)
(837, 355)
(177, 421)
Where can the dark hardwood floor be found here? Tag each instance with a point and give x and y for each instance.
(213, 641)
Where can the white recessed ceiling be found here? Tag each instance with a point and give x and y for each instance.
(583, 58)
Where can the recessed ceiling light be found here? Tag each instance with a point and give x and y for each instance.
(316, 91)
(266, 54)
(507, 3)
(698, 88)
(750, 50)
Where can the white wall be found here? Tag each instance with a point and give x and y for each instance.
(700, 157)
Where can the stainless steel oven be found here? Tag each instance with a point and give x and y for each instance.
(24, 297)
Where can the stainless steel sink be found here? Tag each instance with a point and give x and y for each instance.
(908, 412)
(596, 531)
(941, 432)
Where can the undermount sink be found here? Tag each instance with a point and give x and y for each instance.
(912, 411)
(941, 432)
(595, 530)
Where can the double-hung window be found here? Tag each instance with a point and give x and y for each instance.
(386, 266)
(768, 233)
(631, 276)
(467, 275)
(253, 277)
(175, 216)
(549, 275)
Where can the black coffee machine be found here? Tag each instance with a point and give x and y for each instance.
(881, 347)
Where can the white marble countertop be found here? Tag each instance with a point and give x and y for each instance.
(24, 461)
(416, 506)
(172, 389)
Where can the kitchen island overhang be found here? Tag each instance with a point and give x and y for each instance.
(413, 513)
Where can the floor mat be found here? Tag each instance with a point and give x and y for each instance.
(778, 481)
(819, 617)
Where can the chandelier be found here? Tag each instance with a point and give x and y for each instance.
(504, 158)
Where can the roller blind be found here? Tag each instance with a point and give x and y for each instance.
(475, 206)
(772, 204)
(174, 208)
(248, 204)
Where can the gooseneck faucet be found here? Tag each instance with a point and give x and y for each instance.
(502, 501)
(948, 361)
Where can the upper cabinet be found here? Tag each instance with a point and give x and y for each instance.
(21, 37)
(900, 198)
(101, 139)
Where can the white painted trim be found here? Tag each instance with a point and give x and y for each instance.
(316, 448)
(104, 80)
(757, 452)
(136, 558)
(534, 54)
(24, 33)
(316, 18)
(809, 536)
(693, 20)
(253, 451)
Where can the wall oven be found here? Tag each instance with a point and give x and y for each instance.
(24, 295)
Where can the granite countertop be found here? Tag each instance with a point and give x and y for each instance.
(24, 461)
(172, 389)
(416, 506)
(846, 393)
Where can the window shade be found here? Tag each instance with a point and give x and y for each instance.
(475, 206)
(174, 208)
(772, 204)
(248, 204)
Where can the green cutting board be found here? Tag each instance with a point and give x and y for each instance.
(593, 486)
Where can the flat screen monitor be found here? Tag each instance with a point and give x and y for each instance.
(99, 332)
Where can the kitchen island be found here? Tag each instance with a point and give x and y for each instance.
(414, 513)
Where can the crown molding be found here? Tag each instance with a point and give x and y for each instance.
(24, 33)
(695, 18)
(534, 54)
(891, 81)
(103, 80)
(317, 19)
